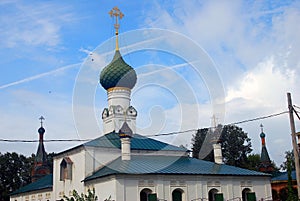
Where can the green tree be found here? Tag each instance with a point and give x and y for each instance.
(235, 146)
(291, 196)
(289, 156)
(90, 196)
(253, 162)
(15, 172)
(234, 142)
(197, 141)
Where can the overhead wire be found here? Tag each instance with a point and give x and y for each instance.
(155, 135)
(260, 118)
(296, 106)
(296, 113)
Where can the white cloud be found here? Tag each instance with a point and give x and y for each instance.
(263, 85)
(256, 49)
(28, 79)
(32, 24)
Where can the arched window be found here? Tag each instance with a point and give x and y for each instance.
(247, 195)
(213, 195)
(66, 169)
(177, 195)
(144, 194)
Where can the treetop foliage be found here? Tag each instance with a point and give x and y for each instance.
(90, 196)
(15, 172)
(234, 142)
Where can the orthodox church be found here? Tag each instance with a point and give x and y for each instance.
(122, 165)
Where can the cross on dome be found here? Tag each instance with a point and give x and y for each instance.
(116, 13)
(117, 73)
(41, 120)
(262, 128)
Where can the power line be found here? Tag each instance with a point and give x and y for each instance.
(259, 118)
(155, 135)
(296, 106)
(172, 133)
(58, 140)
(296, 113)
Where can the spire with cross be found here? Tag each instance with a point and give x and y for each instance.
(262, 135)
(115, 12)
(41, 166)
(265, 161)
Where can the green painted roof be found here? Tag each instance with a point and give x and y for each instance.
(283, 176)
(264, 156)
(146, 164)
(138, 142)
(43, 183)
(118, 74)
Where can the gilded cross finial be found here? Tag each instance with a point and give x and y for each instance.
(41, 120)
(115, 12)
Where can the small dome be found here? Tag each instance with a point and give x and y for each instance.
(41, 130)
(118, 74)
(262, 135)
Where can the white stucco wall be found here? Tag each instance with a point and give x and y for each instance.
(41, 195)
(128, 188)
(95, 158)
(104, 188)
(78, 174)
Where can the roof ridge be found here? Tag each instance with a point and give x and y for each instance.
(138, 142)
(169, 165)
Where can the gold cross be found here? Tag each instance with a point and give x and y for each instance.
(115, 12)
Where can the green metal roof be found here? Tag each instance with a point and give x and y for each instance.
(118, 74)
(146, 164)
(284, 176)
(264, 156)
(138, 142)
(43, 183)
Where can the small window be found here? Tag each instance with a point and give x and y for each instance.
(177, 195)
(146, 195)
(212, 194)
(66, 169)
(248, 195)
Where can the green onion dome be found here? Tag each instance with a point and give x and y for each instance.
(262, 135)
(118, 74)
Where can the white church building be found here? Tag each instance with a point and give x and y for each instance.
(122, 165)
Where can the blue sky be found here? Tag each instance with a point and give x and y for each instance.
(251, 50)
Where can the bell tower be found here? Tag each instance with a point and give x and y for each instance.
(265, 162)
(41, 165)
(118, 78)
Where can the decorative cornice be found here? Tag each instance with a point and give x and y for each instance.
(118, 89)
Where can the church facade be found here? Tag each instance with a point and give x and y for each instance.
(122, 165)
